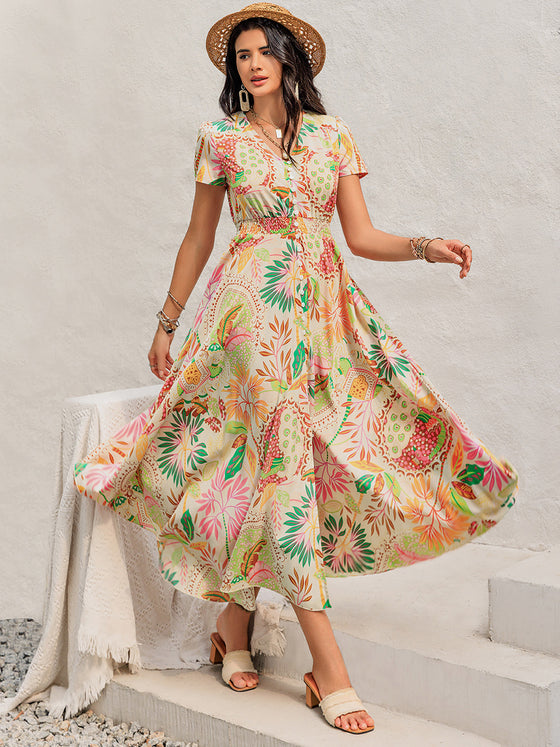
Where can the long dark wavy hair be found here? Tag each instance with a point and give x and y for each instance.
(296, 68)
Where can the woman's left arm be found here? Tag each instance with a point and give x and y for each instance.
(366, 241)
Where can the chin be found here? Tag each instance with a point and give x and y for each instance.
(263, 90)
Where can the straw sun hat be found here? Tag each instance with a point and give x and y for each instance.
(309, 38)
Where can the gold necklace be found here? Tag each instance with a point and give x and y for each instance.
(277, 129)
(280, 146)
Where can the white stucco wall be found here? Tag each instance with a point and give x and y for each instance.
(454, 105)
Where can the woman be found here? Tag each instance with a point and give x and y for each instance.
(294, 438)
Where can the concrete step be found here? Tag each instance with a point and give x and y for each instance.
(197, 707)
(417, 640)
(525, 603)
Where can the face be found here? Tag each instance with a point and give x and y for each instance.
(260, 72)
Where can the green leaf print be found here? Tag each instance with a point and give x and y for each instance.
(235, 426)
(277, 289)
(236, 462)
(346, 550)
(363, 484)
(262, 253)
(472, 474)
(179, 448)
(188, 525)
(460, 503)
(388, 361)
(222, 125)
(79, 468)
(395, 487)
(308, 127)
(345, 366)
(298, 541)
(283, 497)
(375, 328)
(170, 576)
(351, 503)
(305, 298)
(299, 357)
(276, 466)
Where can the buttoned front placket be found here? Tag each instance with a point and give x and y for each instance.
(303, 287)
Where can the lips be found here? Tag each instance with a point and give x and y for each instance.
(258, 80)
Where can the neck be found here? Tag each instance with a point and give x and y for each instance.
(271, 107)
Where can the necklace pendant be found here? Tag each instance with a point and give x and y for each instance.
(278, 133)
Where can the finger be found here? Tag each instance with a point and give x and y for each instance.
(451, 256)
(159, 369)
(466, 253)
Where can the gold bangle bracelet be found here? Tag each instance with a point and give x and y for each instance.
(432, 261)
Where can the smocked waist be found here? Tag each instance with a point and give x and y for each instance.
(284, 224)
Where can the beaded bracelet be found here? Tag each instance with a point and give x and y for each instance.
(419, 246)
(169, 325)
(172, 297)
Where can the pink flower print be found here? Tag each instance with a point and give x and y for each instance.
(330, 478)
(321, 365)
(223, 506)
(132, 431)
(259, 571)
(98, 477)
(237, 336)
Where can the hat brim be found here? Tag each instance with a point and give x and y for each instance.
(309, 38)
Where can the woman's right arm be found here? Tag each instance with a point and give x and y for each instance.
(192, 256)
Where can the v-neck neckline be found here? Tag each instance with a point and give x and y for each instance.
(264, 146)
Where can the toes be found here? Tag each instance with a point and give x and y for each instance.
(247, 679)
(351, 723)
(354, 722)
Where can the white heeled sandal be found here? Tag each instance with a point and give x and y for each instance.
(335, 704)
(232, 662)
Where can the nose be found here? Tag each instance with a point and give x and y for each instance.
(255, 63)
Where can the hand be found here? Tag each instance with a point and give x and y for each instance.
(159, 355)
(451, 250)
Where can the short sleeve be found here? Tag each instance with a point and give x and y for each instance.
(208, 167)
(351, 162)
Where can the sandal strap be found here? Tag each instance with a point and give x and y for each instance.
(236, 661)
(340, 702)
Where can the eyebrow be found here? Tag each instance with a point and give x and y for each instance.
(266, 46)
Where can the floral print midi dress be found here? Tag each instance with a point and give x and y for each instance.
(294, 438)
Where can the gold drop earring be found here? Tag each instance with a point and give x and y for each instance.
(244, 99)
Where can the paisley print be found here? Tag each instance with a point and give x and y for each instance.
(295, 438)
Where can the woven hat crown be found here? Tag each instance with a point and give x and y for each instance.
(309, 38)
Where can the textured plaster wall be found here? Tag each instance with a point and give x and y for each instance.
(455, 107)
